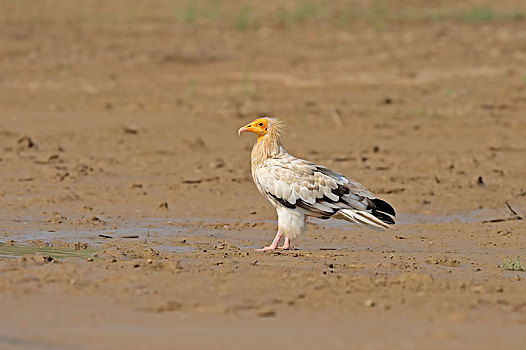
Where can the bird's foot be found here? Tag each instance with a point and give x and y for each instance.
(270, 247)
(286, 244)
(274, 243)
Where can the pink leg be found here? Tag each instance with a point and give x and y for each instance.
(274, 243)
(286, 244)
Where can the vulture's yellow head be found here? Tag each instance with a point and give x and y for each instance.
(265, 126)
(258, 126)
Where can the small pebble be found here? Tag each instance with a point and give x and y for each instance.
(266, 313)
(131, 130)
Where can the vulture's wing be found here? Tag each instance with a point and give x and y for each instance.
(321, 192)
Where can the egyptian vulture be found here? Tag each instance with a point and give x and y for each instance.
(298, 188)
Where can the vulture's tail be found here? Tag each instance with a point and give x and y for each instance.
(364, 218)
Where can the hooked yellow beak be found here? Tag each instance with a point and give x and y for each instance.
(243, 129)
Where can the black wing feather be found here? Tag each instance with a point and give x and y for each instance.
(383, 206)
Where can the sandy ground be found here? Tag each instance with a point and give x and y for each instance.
(118, 129)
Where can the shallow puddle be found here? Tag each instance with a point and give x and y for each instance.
(175, 249)
(20, 250)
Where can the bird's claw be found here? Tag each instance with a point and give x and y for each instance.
(283, 247)
(275, 242)
(266, 248)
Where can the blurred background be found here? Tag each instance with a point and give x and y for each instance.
(242, 56)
